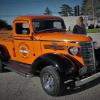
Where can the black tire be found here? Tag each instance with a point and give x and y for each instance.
(1, 66)
(97, 56)
(56, 87)
(4, 54)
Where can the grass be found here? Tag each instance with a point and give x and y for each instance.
(97, 30)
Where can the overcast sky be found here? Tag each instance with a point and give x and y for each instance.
(11, 8)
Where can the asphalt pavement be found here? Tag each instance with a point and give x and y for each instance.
(16, 87)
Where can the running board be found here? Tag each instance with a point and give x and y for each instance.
(21, 73)
(20, 68)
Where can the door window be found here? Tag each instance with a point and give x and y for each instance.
(22, 28)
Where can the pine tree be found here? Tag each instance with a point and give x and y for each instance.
(66, 10)
(47, 11)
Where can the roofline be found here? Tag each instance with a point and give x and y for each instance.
(35, 17)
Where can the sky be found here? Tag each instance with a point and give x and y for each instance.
(11, 8)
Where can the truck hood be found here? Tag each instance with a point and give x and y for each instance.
(58, 36)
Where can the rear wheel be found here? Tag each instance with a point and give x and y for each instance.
(1, 66)
(4, 54)
(51, 81)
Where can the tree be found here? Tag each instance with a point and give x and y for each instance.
(4, 25)
(87, 7)
(90, 6)
(47, 11)
(66, 10)
(84, 12)
(77, 10)
(98, 8)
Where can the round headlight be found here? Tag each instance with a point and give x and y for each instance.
(73, 50)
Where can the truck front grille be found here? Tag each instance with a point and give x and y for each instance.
(87, 53)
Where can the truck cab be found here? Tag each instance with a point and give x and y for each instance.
(41, 46)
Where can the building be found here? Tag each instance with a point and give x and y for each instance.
(70, 21)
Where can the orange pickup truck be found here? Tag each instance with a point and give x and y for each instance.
(40, 46)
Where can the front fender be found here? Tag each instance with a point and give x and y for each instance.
(62, 63)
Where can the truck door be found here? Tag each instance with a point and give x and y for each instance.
(23, 43)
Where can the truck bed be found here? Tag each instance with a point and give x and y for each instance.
(5, 34)
(6, 40)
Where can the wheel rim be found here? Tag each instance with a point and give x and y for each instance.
(48, 81)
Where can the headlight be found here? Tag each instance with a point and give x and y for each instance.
(73, 50)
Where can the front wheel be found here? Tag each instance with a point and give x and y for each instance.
(97, 56)
(51, 81)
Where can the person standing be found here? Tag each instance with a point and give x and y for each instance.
(79, 28)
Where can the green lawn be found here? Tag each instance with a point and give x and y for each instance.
(90, 30)
(93, 30)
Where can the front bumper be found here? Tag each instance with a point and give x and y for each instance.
(87, 80)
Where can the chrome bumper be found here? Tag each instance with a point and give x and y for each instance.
(86, 80)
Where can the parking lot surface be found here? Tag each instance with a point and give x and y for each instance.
(16, 87)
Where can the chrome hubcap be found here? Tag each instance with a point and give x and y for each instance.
(48, 81)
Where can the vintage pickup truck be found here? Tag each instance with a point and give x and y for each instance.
(40, 46)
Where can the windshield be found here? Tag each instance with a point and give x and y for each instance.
(48, 24)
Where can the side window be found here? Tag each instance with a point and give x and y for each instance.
(22, 28)
(57, 25)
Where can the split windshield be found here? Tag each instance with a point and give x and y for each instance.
(48, 25)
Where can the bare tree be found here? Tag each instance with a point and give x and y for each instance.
(91, 7)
